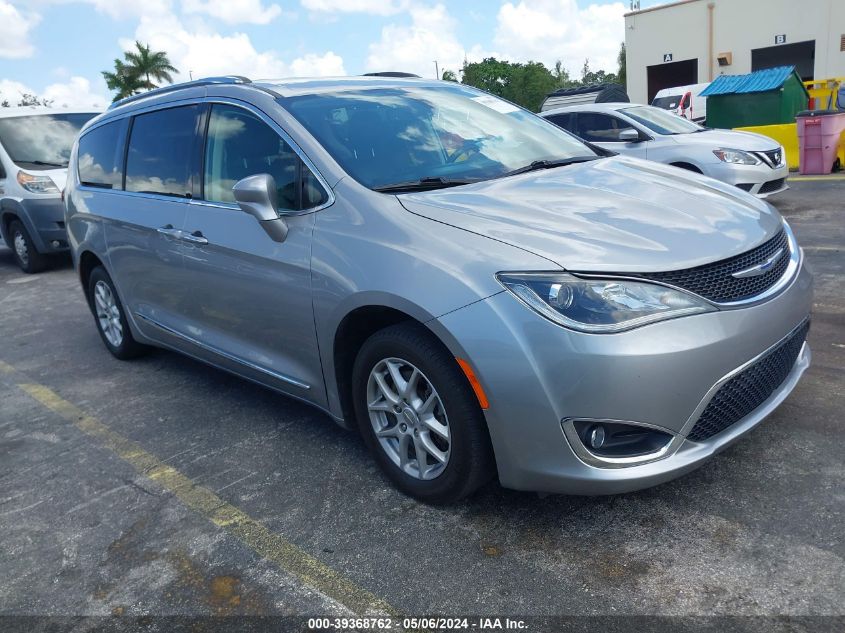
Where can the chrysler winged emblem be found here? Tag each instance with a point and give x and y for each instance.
(759, 269)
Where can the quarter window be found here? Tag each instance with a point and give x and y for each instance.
(160, 153)
(600, 128)
(239, 145)
(100, 156)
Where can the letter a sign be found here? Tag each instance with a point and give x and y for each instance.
(667, 57)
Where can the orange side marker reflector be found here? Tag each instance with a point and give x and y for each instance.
(473, 380)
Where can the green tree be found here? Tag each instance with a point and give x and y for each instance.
(150, 65)
(124, 81)
(29, 99)
(562, 78)
(622, 73)
(139, 70)
(449, 75)
(524, 84)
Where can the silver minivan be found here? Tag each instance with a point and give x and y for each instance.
(475, 290)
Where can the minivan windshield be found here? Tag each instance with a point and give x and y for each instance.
(432, 135)
(661, 121)
(41, 141)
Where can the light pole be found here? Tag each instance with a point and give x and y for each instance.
(436, 70)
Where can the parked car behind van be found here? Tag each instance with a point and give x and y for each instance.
(35, 144)
(751, 162)
(473, 288)
(685, 101)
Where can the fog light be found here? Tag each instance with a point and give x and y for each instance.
(55, 243)
(597, 436)
(613, 439)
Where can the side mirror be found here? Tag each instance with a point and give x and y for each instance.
(257, 196)
(629, 135)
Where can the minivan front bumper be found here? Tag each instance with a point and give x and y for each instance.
(537, 375)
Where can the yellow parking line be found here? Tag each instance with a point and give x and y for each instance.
(812, 178)
(287, 556)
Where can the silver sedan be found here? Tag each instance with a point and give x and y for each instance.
(752, 162)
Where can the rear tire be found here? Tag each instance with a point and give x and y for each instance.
(438, 416)
(23, 248)
(110, 317)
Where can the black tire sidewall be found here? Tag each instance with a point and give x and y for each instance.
(470, 454)
(36, 261)
(128, 348)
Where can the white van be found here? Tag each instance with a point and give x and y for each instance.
(684, 101)
(35, 144)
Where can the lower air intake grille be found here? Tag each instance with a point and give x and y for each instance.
(750, 388)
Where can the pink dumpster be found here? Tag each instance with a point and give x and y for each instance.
(818, 137)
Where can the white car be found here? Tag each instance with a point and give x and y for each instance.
(752, 162)
(685, 101)
(35, 144)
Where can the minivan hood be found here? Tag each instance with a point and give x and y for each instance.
(728, 139)
(615, 214)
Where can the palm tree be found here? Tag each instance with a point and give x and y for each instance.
(150, 65)
(138, 71)
(123, 80)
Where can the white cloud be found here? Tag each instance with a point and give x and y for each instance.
(202, 52)
(234, 11)
(551, 30)
(76, 92)
(120, 9)
(14, 31)
(375, 7)
(430, 36)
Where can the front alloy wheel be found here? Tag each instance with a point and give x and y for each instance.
(108, 314)
(408, 418)
(419, 415)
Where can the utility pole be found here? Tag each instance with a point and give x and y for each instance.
(436, 70)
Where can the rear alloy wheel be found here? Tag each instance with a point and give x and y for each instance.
(419, 415)
(111, 321)
(26, 255)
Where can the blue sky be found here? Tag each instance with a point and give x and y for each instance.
(57, 48)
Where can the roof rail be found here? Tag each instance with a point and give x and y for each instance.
(226, 79)
(391, 73)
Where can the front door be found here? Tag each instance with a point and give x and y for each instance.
(250, 307)
(604, 129)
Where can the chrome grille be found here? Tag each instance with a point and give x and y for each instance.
(716, 281)
(750, 388)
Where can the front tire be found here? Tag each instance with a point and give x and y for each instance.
(25, 253)
(110, 317)
(419, 415)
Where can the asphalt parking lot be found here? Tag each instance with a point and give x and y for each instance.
(165, 487)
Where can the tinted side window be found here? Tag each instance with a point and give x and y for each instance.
(100, 156)
(160, 151)
(600, 127)
(562, 120)
(239, 145)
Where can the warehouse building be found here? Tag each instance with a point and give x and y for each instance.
(694, 41)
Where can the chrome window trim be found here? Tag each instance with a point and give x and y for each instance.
(599, 461)
(212, 100)
(252, 109)
(226, 355)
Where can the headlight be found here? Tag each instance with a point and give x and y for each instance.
(736, 157)
(600, 305)
(37, 184)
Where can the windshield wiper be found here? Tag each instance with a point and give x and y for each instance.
(549, 164)
(41, 163)
(423, 184)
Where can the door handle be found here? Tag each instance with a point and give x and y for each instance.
(194, 238)
(169, 231)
